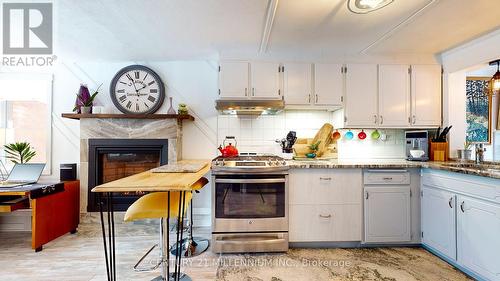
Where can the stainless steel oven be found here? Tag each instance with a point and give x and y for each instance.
(249, 209)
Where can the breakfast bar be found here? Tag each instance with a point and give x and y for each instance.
(178, 180)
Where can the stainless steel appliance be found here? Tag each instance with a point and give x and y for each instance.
(417, 145)
(249, 204)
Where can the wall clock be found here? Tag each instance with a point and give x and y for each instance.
(137, 89)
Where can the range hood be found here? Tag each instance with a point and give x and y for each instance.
(249, 107)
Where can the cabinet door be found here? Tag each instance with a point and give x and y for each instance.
(394, 95)
(297, 84)
(233, 80)
(438, 220)
(328, 84)
(361, 95)
(265, 80)
(478, 236)
(426, 95)
(387, 214)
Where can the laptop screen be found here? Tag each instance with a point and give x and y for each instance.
(26, 172)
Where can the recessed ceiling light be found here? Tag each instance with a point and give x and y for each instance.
(366, 6)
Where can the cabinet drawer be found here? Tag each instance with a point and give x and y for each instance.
(14, 204)
(325, 186)
(325, 223)
(387, 177)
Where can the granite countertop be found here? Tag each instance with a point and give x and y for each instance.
(485, 170)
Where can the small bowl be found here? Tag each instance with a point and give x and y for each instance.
(311, 155)
(416, 153)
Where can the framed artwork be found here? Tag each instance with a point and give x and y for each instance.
(478, 109)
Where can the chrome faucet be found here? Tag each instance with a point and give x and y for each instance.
(480, 153)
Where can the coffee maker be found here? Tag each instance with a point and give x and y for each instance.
(417, 145)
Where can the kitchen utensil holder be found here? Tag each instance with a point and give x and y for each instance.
(439, 151)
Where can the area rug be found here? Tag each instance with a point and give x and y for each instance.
(385, 264)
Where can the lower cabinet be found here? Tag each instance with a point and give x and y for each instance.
(387, 214)
(461, 220)
(478, 234)
(438, 220)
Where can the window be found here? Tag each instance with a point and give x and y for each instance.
(25, 114)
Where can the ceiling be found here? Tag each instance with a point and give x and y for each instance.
(300, 29)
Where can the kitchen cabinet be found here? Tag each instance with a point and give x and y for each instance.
(426, 95)
(387, 214)
(265, 80)
(297, 83)
(233, 80)
(328, 84)
(478, 228)
(438, 220)
(394, 95)
(325, 205)
(361, 99)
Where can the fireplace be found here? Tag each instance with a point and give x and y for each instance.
(112, 159)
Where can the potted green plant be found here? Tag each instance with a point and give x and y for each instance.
(466, 153)
(314, 149)
(19, 152)
(85, 100)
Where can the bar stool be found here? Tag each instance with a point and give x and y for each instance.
(192, 246)
(163, 205)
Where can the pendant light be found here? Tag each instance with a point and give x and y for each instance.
(495, 80)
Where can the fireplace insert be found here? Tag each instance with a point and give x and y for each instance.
(112, 159)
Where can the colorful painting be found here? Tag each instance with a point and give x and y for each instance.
(478, 109)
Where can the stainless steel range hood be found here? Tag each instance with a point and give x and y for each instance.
(249, 107)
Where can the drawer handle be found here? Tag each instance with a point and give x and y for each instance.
(325, 216)
(449, 202)
(325, 179)
(387, 178)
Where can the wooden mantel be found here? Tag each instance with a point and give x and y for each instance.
(78, 116)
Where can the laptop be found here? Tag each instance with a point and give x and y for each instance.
(23, 174)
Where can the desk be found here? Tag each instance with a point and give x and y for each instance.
(145, 182)
(53, 215)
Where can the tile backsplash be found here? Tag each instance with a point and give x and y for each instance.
(258, 134)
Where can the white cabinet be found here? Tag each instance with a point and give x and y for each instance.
(394, 95)
(361, 95)
(265, 80)
(328, 84)
(426, 95)
(233, 80)
(325, 205)
(438, 220)
(297, 84)
(478, 234)
(387, 214)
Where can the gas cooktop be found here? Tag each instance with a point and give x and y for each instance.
(249, 162)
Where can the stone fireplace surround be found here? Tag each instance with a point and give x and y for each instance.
(125, 128)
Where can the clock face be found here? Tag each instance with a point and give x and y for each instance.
(137, 89)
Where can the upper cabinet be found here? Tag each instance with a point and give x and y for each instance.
(393, 95)
(361, 95)
(233, 79)
(243, 80)
(297, 84)
(328, 84)
(426, 95)
(265, 80)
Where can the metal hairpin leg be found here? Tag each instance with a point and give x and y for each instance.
(109, 248)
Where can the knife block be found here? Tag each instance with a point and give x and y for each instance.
(439, 151)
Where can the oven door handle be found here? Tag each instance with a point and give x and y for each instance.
(276, 180)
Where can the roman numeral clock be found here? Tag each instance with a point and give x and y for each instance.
(137, 89)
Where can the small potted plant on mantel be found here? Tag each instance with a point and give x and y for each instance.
(85, 100)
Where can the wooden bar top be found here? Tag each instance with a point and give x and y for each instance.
(150, 182)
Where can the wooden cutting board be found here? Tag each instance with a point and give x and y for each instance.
(179, 168)
(324, 137)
